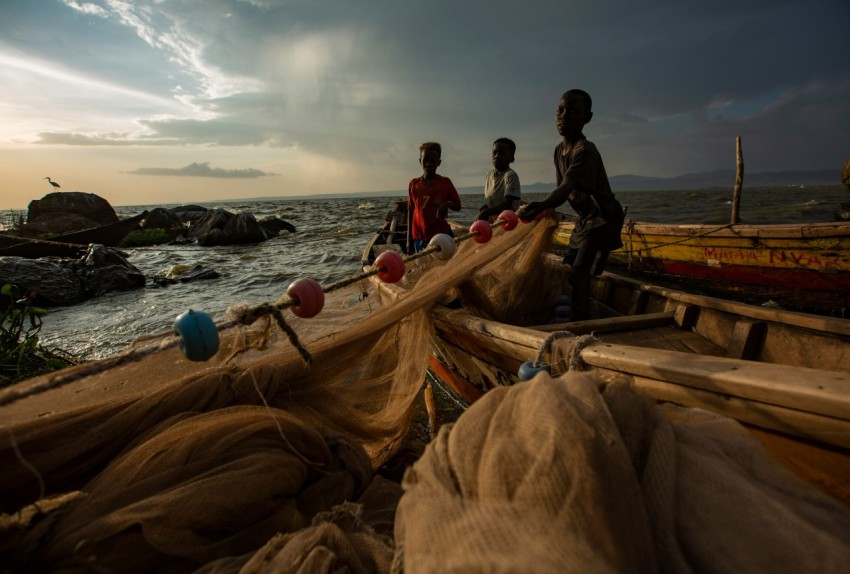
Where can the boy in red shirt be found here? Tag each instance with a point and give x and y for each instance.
(430, 197)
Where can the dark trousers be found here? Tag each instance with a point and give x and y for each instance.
(585, 261)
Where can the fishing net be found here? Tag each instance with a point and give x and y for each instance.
(166, 465)
(258, 461)
(558, 475)
(208, 462)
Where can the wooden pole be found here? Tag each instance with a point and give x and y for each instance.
(431, 408)
(739, 180)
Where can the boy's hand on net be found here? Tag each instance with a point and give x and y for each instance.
(531, 210)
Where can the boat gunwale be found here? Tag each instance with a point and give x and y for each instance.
(819, 323)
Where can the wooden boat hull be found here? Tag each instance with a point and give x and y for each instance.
(797, 266)
(630, 312)
(800, 414)
(392, 235)
(69, 244)
(782, 374)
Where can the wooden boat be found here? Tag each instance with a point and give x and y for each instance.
(798, 266)
(391, 236)
(69, 244)
(783, 374)
(147, 461)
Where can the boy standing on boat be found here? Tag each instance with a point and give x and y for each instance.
(430, 197)
(501, 185)
(582, 181)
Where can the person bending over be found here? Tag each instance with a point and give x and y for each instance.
(582, 181)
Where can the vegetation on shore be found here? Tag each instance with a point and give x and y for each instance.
(145, 238)
(21, 354)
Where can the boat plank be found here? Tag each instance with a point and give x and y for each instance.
(458, 319)
(746, 340)
(783, 345)
(610, 324)
(829, 430)
(468, 392)
(834, 325)
(667, 338)
(805, 320)
(826, 467)
(819, 392)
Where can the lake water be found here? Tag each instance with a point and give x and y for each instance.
(330, 238)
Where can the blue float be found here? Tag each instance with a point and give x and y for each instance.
(198, 335)
(528, 370)
(563, 311)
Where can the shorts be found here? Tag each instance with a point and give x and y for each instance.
(588, 258)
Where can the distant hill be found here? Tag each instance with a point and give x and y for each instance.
(709, 179)
(725, 178)
(399, 193)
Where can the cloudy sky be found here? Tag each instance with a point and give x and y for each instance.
(171, 101)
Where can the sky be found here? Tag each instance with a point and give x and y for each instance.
(183, 101)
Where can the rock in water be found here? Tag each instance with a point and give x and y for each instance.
(62, 212)
(70, 281)
(220, 227)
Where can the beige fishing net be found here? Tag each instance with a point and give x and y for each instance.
(560, 476)
(257, 461)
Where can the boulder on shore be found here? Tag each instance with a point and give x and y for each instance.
(188, 213)
(273, 226)
(161, 218)
(61, 281)
(63, 212)
(221, 227)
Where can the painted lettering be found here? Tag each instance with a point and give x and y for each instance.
(777, 257)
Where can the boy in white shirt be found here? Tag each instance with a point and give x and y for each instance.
(501, 185)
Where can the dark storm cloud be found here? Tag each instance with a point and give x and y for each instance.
(673, 82)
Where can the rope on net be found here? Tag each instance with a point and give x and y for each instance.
(239, 315)
(574, 348)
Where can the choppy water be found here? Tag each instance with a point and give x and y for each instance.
(328, 246)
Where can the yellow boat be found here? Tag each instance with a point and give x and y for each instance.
(798, 266)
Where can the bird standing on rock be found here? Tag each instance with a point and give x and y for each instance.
(53, 183)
